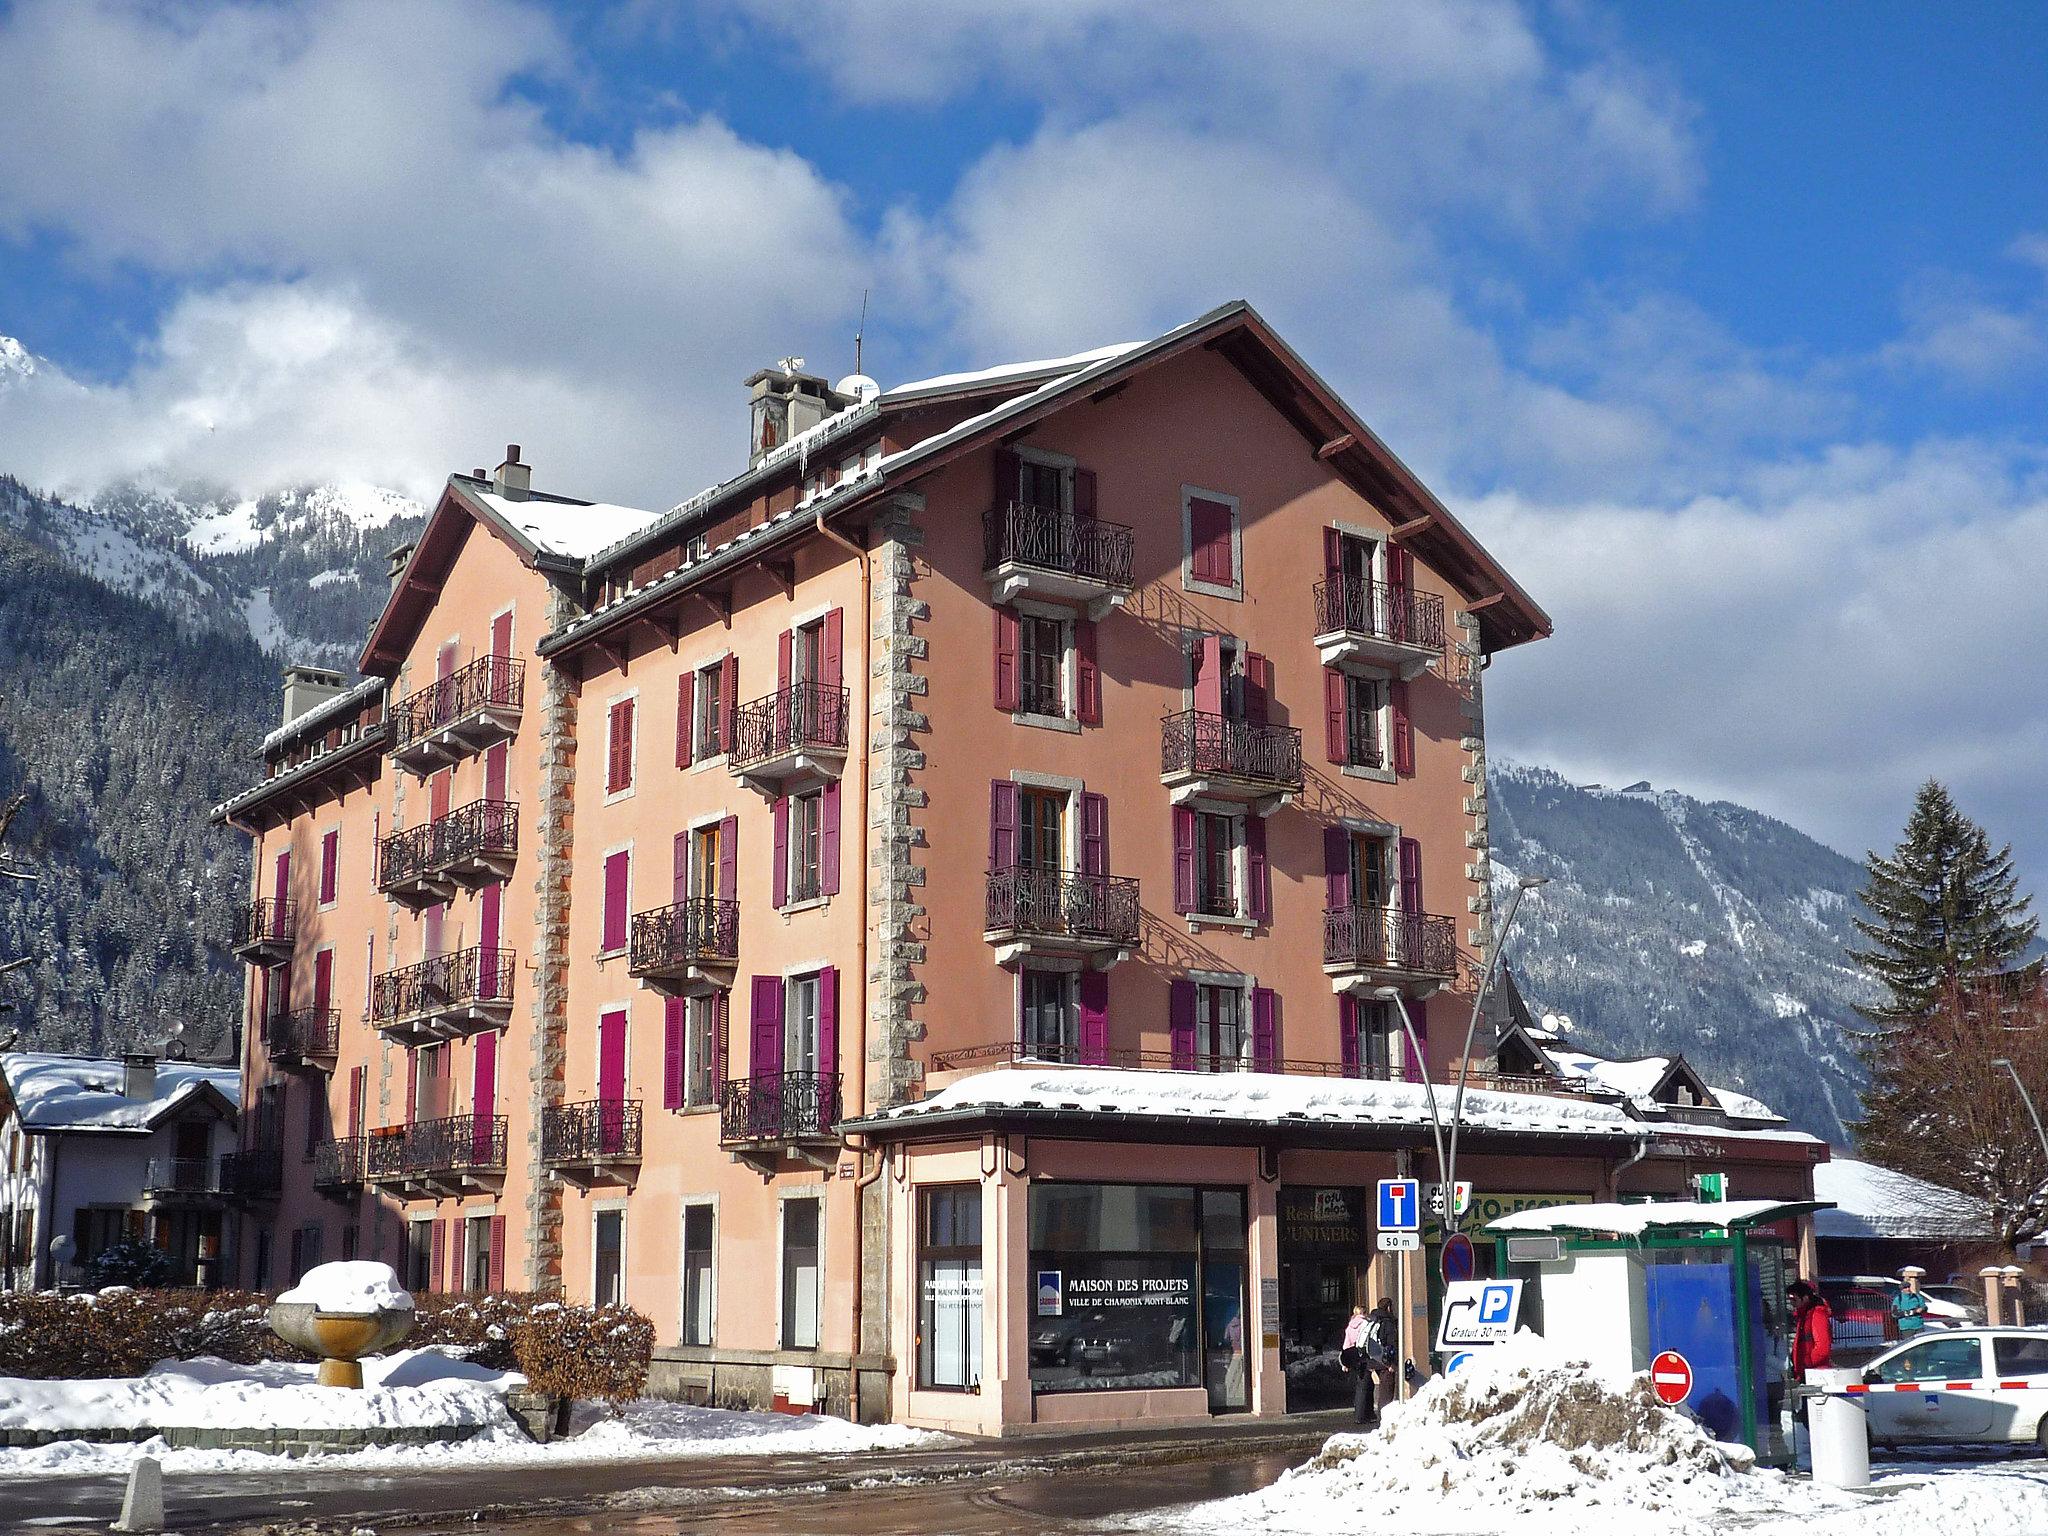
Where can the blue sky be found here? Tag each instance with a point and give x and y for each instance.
(1725, 326)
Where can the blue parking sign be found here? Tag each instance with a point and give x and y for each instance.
(1400, 1205)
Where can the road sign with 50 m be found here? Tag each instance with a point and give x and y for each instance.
(1400, 1215)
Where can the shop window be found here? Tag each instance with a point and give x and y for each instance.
(802, 1273)
(949, 1288)
(609, 1281)
(697, 1293)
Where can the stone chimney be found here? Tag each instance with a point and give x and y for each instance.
(138, 1075)
(400, 555)
(512, 479)
(308, 688)
(784, 401)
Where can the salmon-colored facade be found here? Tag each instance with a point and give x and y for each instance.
(1118, 718)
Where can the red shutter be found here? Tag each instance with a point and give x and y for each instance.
(497, 1253)
(721, 1026)
(1094, 1020)
(1256, 870)
(828, 1019)
(619, 774)
(686, 699)
(1334, 734)
(1002, 825)
(616, 866)
(672, 1053)
(1180, 1025)
(283, 889)
(1265, 1030)
(1347, 1033)
(1411, 875)
(1006, 659)
(785, 645)
(1333, 555)
(1336, 868)
(1404, 733)
(679, 869)
(1094, 834)
(779, 875)
(1209, 676)
(1183, 859)
(438, 1252)
(501, 635)
(1209, 556)
(356, 1078)
(1258, 687)
(494, 772)
(330, 858)
(323, 980)
(828, 840)
(729, 859)
(832, 660)
(728, 702)
(1084, 493)
(1087, 675)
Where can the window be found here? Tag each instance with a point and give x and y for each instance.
(800, 1024)
(1222, 1043)
(351, 1240)
(949, 1288)
(1048, 1026)
(1937, 1360)
(476, 1253)
(608, 1285)
(801, 1273)
(807, 654)
(1364, 742)
(806, 830)
(1042, 665)
(1216, 840)
(703, 876)
(1371, 869)
(618, 776)
(700, 1051)
(419, 1256)
(1371, 1051)
(1041, 829)
(330, 856)
(697, 1260)
(709, 696)
(1209, 523)
(2019, 1356)
(1042, 485)
(261, 1279)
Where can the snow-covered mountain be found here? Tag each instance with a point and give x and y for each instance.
(1677, 924)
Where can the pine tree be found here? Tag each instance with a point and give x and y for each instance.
(1943, 909)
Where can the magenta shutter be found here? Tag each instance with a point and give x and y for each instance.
(490, 919)
(1404, 732)
(484, 1079)
(832, 651)
(1400, 572)
(323, 980)
(729, 859)
(1256, 869)
(1347, 1034)
(1084, 493)
(1258, 687)
(779, 875)
(1180, 1024)
(283, 891)
(330, 859)
(1411, 875)
(686, 699)
(1265, 1030)
(1094, 834)
(1336, 868)
(1008, 476)
(1209, 534)
(1006, 659)
(828, 839)
(1209, 676)
(679, 869)
(721, 1009)
(1087, 675)
(1002, 825)
(497, 1253)
(1183, 859)
(728, 702)
(435, 937)
(764, 1046)
(611, 1056)
(412, 1083)
(494, 772)
(672, 1053)
(1336, 743)
(1094, 1010)
(616, 866)
(828, 1019)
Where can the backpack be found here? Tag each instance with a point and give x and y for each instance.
(1377, 1346)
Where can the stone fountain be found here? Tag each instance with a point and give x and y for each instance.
(342, 1312)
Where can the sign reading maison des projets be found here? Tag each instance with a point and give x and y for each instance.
(1063, 1291)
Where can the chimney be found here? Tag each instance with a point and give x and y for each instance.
(513, 479)
(138, 1075)
(784, 402)
(308, 688)
(403, 553)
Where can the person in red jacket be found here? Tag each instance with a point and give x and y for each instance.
(1813, 1334)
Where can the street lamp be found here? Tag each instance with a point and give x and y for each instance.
(2027, 1099)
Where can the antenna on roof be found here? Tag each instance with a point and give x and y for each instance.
(861, 332)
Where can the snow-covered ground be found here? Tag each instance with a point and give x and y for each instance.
(1536, 1445)
(406, 1387)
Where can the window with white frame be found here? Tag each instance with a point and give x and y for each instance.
(1042, 646)
(1048, 1020)
(1378, 1028)
(1044, 484)
(608, 1281)
(1222, 1031)
(1219, 844)
(802, 1271)
(700, 1051)
(699, 1237)
(806, 831)
(476, 1253)
(1365, 723)
(800, 1038)
(708, 701)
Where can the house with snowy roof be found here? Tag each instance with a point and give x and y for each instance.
(96, 1151)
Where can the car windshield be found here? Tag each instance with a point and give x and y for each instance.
(1937, 1360)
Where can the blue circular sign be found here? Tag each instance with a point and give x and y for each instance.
(1460, 1358)
(1458, 1263)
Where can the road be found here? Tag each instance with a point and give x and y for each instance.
(1054, 1484)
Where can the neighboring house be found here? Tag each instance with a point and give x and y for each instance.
(818, 914)
(100, 1152)
(1884, 1220)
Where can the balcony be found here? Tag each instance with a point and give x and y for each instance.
(252, 1176)
(1045, 553)
(794, 1114)
(435, 1158)
(688, 947)
(265, 930)
(181, 1181)
(338, 1165)
(1215, 757)
(795, 734)
(1366, 948)
(472, 845)
(1377, 625)
(1057, 913)
(303, 1037)
(467, 711)
(446, 997)
(593, 1143)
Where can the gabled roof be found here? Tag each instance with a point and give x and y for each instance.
(86, 1093)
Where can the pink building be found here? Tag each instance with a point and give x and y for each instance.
(929, 920)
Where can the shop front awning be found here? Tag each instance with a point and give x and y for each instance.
(1670, 1216)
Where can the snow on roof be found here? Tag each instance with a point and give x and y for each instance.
(1874, 1201)
(85, 1093)
(1004, 373)
(576, 529)
(1637, 1079)
(341, 704)
(1634, 1220)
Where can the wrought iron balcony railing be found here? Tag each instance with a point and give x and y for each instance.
(1058, 903)
(429, 1148)
(180, 1176)
(1387, 939)
(481, 833)
(255, 1173)
(793, 719)
(596, 1131)
(1195, 742)
(265, 926)
(1396, 615)
(489, 686)
(302, 1034)
(788, 1106)
(338, 1164)
(689, 932)
(1048, 539)
(463, 981)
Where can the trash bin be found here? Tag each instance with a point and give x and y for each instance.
(1840, 1431)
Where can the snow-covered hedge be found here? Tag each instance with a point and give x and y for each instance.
(578, 1352)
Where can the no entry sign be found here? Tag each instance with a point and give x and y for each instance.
(1671, 1377)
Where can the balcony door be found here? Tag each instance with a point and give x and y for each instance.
(706, 862)
(1041, 829)
(611, 1077)
(483, 1092)
(800, 1037)
(1372, 870)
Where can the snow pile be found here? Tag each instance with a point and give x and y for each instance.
(351, 1288)
(650, 1427)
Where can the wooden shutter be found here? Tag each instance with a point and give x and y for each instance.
(672, 1053)
(437, 1252)
(501, 635)
(779, 875)
(1336, 742)
(828, 839)
(1209, 557)
(490, 920)
(785, 648)
(1404, 733)
(728, 702)
(1257, 872)
(1258, 687)
(616, 868)
(828, 1019)
(323, 980)
(1094, 834)
(764, 1054)
(283, 889)
(1008, 477)
(1411, 875)
(1336, 868)
(1183, 859)
(1094, 1018)
(1347, 1034)
(1087, 675)
(498, 1253)
(357, 1078)
(1209, 675)
(412, 1083)
(1002, 825)
(1006, 659)
(483, 1092)
(729, 859)
(1084, 493)
(832, 650)
(1333, 556)
(1400, 575)
(330, 859)
(494, 772)
(1180, 1024)
(611, 1056)
(679, 869)
(1265, 1030)
(686, 709)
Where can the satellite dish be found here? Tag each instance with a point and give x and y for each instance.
(858, 387)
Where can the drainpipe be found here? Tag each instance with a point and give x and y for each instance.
(1614, 1179)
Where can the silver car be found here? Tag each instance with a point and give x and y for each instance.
(1961, 1386)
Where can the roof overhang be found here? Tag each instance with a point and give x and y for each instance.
(295, 792)
(1683, 1216)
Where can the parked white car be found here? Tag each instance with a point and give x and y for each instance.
(1977, 1386)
